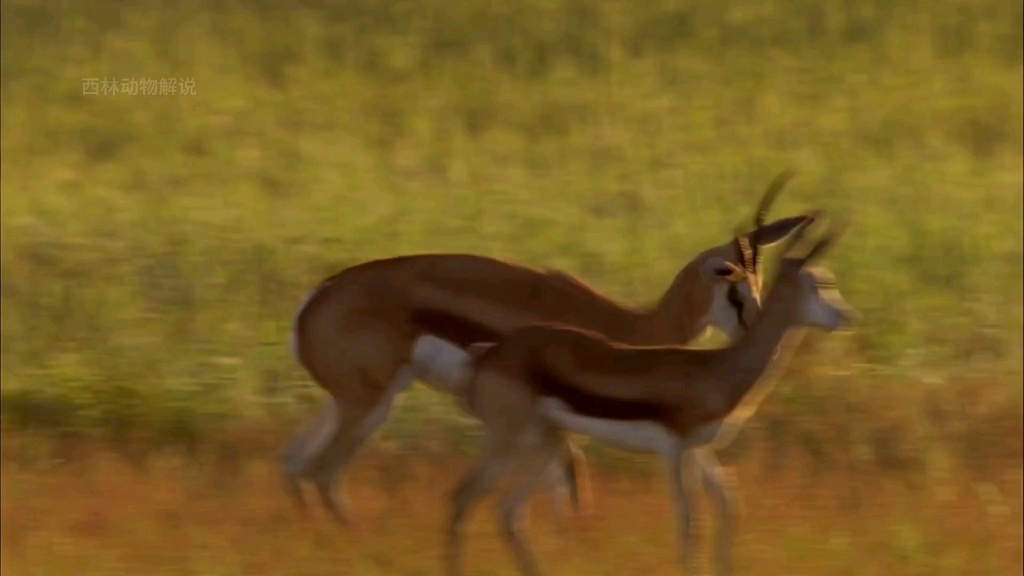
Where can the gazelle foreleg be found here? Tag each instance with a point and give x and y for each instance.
(719, 487)
(681, 463)
(476, 484)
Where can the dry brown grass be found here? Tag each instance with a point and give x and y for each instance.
(103, 516)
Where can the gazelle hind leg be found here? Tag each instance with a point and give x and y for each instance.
(344, 442)
(578, 478)
(350, 440)
(536, 469)
(304, 448)
(568, 475)
(719, 487)
(557, 489)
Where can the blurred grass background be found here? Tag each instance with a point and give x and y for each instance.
(155, 248)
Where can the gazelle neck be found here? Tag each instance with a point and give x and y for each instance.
(680, 315)
(758, 355)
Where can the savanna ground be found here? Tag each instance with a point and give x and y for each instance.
(155, 247)
(111, 519)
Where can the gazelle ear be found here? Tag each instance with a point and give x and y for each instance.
(825, 244)
(717, 269)
(776, 231)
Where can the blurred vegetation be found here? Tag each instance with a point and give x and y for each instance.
(155, 248)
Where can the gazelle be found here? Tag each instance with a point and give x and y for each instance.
(366, 333)
(543, 379)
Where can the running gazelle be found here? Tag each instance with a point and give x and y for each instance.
(541, 380)
(366, 333)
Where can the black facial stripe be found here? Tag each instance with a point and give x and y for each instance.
(733, 298)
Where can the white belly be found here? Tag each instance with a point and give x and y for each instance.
(637, 435)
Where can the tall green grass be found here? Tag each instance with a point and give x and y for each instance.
(154, 248)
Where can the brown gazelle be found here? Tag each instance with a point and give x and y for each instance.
(544, 379)
(366, 333)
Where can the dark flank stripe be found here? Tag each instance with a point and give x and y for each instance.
(587, 404)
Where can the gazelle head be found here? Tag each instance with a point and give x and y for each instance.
(809, 293)
(733, 270)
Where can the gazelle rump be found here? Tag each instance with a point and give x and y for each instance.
(543, 379)
(358, 332)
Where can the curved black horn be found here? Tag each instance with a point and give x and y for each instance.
(835, 230)
(801, 231)
(770, 193)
